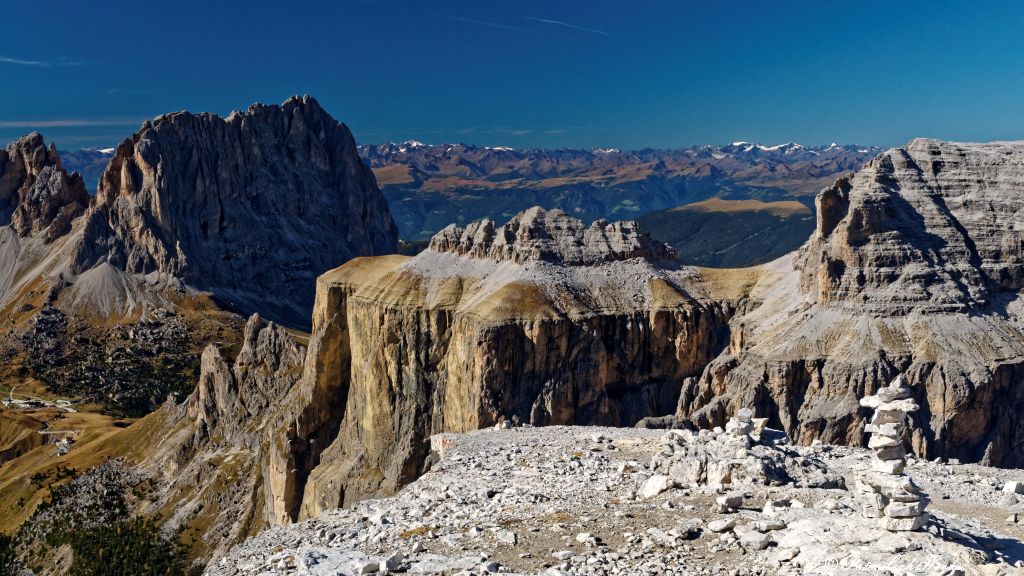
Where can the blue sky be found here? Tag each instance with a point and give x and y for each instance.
(527, 73)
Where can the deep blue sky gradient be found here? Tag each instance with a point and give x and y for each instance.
(598, 73)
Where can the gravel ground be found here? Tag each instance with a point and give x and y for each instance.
(577, 500)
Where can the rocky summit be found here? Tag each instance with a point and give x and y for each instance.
(914, 268)
(550, 236)
(39, 200)
(251, 207)
(197, 221)
(37, 196)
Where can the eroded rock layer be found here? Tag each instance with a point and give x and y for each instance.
(914, 268)
(36, 194)
(540, 321)
(551, 236)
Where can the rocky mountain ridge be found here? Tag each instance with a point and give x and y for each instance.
(196, 218)
(265, 198)
(38, 195)
(549, 236)
(431, 186)
(913, 268)
(201, 200)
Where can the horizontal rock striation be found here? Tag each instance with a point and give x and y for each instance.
(551, 236)
(541, 321)
(251, 207)
(914, 268)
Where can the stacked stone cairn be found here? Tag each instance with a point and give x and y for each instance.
(885, 492)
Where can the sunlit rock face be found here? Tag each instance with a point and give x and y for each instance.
(542, 321)
(251, 207)
(914, 268)
(37, 196)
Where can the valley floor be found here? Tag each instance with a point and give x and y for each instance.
(571, 500)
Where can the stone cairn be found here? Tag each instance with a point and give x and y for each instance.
(886, 492)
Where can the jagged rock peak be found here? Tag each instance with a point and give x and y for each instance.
(552, 236)
(36, 194)
(252, 207)
(927, 227)
(267, 366)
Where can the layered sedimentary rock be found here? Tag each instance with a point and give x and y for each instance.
(914, 268)
(550, 237)
(251, 207)
(541, 321)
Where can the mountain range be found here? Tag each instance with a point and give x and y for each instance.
(430, 186)
(222, 338)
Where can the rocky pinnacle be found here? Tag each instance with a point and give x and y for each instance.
(37, 196)
(251, 207)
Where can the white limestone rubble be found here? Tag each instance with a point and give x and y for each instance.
(886, 492)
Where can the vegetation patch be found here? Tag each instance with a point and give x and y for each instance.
(91, 515)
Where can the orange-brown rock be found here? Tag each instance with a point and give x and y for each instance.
(541, 321)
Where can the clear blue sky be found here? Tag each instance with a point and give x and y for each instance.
(527, 73)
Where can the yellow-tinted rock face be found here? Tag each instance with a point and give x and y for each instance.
(449, 341)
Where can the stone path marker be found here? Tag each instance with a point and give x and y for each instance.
(886, 492)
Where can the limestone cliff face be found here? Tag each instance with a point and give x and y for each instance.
(541, 321)
(37, 196)
(251, 207)
(914, 268)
